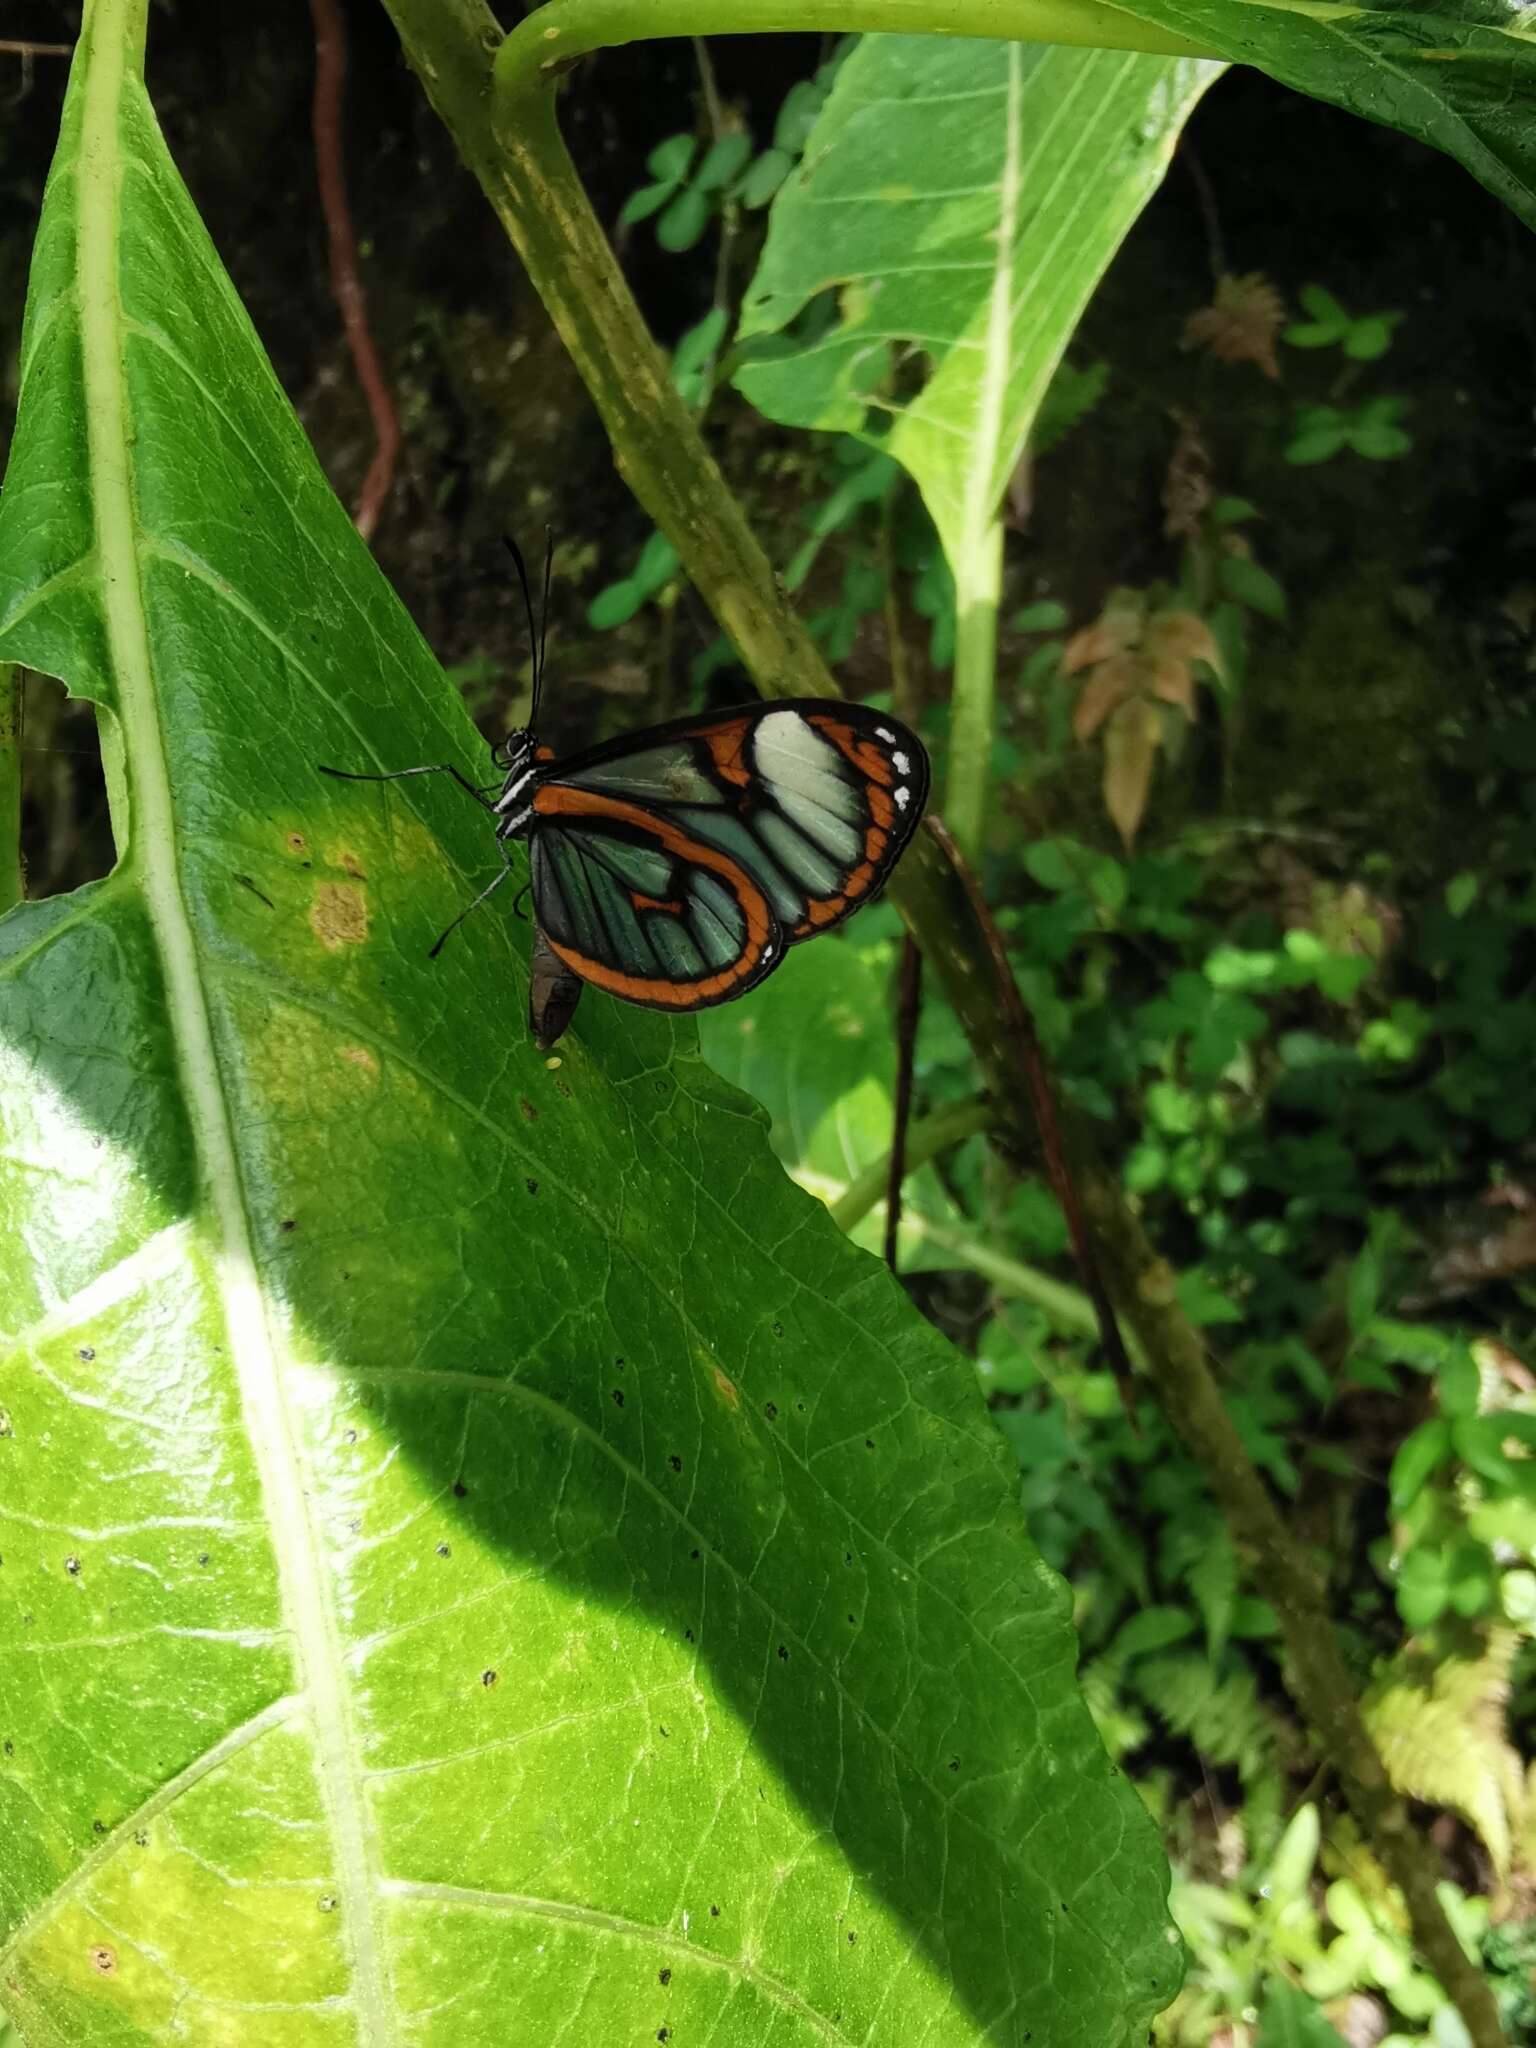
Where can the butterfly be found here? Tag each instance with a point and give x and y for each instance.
(675, 867)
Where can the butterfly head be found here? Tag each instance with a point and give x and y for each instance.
(516, 755)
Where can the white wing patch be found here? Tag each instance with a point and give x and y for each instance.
(789, 753)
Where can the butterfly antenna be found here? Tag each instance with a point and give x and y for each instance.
(549, 562)
(534, 645)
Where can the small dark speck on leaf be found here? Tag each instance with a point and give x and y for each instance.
(246, 883)
(618, 1365)
(86, 1353)
(459, 1489)
(529, 1112)
(714, 1912)
(355, 1525)
(852, 1939)
(665, 1730)
(663, 1976)
(488, 1679)
(675, 1462)
(7, 1427)
(1065, 1907)
(694, 1554)
(141, 1838)
(771, 1410)
(349, 1436)
(618, 1397)
(72, 1566)
(327, 1902)
(443, 1550)
(532, 1186)
(783, 1654)
(778, 1329)
(852, 1621)
(288, 1223)
(98, 1827)
(869, 1443)
(954, 1763)
(103, 1959)
(202, 1557)
(687, 1635)
(663, 2033)
(9, 1747)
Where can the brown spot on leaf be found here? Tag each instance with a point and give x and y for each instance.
(725, 1387)
(349, 860)
(103, 1959)
(339, 915)
(296, 842)
(360, 1056)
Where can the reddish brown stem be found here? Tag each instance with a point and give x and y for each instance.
(1020, 1027)
(346, 284)
(908, 1002)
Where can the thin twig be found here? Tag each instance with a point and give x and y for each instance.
(1205, 192)
(11, 48)
(909, 1001)
(730, 212)
(346, 283)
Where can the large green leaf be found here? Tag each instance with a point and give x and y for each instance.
(1462, 78)
(962, 199)
(818, 1050)
(485, 1563)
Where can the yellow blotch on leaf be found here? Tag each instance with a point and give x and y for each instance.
(360, 1056)
(339, 915)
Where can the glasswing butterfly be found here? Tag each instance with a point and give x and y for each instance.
(675, 867)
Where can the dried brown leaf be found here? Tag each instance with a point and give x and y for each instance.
(1173, 682)
(1098, 642)
(1242, 323)
(1130, 749)
(1183, 636)
(1110, 684)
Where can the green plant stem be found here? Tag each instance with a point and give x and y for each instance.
(554, 36)
(927, 1137)
(531, 182)
(978, 587)
(12, 880)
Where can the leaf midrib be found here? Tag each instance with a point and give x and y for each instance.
(114, 29)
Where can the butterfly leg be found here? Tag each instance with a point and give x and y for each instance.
(431, 768)
(489, 890)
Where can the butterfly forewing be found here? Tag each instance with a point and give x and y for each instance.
(807, 803)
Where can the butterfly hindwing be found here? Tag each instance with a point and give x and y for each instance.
(636, 905)
(812, 799)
